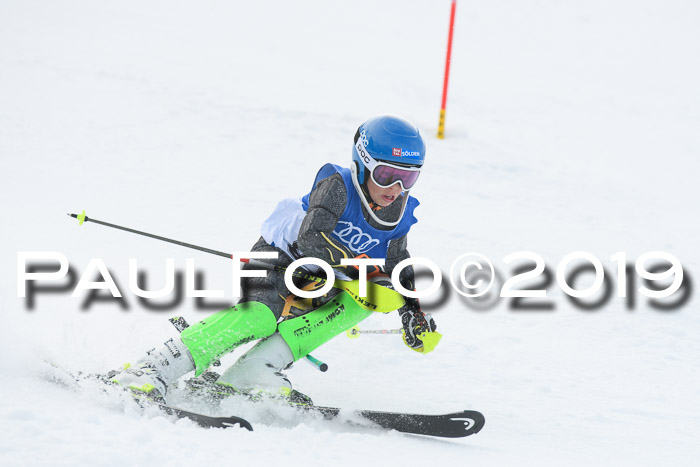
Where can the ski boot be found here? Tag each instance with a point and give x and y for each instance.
(208, 386)
(296, 398)
(142, 379)
(151, 375)
(258, 374)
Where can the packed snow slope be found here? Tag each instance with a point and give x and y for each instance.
(571, 126)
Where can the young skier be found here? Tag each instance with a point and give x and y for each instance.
(361, 212)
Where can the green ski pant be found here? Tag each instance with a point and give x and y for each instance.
(225, 330)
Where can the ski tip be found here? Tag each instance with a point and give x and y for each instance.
(477, 418)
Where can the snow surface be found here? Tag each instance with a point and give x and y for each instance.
(570, 126)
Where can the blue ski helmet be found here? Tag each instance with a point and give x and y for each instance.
(388, 139)
(387, 150)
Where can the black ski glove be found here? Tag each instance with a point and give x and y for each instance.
(419, 330)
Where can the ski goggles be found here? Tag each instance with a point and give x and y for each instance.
(385, 175)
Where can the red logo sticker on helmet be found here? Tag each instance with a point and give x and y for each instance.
(396, 152)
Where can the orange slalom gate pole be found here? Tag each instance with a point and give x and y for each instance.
(441, 124)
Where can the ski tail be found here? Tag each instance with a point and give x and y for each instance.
(67, 379)
(207, 421)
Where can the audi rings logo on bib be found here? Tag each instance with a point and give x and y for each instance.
(354, 238)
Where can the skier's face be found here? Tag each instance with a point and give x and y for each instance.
(383, 196)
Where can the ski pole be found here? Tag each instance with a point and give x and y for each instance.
(390, 299)
(354, 332)
(253, 262)
(318, 364)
